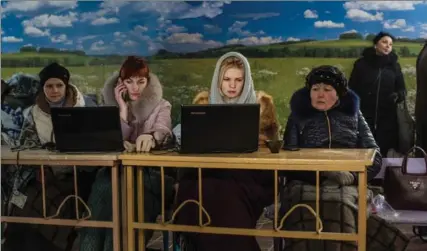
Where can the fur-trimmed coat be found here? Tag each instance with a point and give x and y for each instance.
(151, 114)
(269, 125)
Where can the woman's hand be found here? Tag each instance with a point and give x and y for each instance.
(129, 147)
(145, 142)
(118, 94)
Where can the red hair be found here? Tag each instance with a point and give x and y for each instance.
(134, 66)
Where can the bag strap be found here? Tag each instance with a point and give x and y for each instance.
(405, 159)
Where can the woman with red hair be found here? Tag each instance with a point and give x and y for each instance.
(146, 124)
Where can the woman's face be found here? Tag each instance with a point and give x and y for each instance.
(54, 89)
(232, 82)
(323, 96)
(135, 86)
(384, 46)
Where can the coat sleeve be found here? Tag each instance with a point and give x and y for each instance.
(354, 82)
(291, 140)
(28, 137)
(162, 128)
(400, 84)
(366, 140)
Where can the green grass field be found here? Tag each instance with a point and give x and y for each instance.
(183, 78)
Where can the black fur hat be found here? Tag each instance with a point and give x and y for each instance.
(330, 75)
(381, 35)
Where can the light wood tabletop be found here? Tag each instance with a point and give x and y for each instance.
(340, 159)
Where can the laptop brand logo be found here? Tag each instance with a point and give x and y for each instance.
(197, 113)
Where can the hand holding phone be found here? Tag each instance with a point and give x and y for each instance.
(120, 92)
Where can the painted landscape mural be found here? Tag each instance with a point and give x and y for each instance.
(183, 40)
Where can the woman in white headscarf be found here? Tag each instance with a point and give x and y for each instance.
(232, 198)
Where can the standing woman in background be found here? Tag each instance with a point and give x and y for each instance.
(378, 80)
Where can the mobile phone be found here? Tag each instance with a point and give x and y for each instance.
(125, 96)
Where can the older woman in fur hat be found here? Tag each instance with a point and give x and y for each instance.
(233, 198)
(146, 124)
(325, 114)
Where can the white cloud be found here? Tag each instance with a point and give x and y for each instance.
(119, 35)
(328, 24)
(424, 26)
(28, 45)
(130, 43)
(62, 38)
(257, 16)
(237, 28)
(249, 41)
(188, 42)
(12, 39)
(209, 28)
(47, 20)
(28, 6)
(176, 29)
(363, 16)
(99, 46)
(36, 32)
(140, 28)
(104, 21)
(2, 32)
(398, 24)
(180, 9)
(423, 34)
(350, 31)
(382, 5)
(310, 14)
(293, 39)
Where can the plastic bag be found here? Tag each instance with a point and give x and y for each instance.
(380, 207)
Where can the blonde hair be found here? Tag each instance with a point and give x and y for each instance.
(230, 62)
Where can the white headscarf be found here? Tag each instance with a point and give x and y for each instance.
(248, 93)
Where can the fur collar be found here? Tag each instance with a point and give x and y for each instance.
(73, 97)
(371, 55)
(301, 104)
(142, 108)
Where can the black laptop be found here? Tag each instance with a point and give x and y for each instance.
(87, 129)
(214, 128)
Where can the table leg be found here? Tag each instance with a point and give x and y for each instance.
(362, 211)
(124, 209)
(140, 207)
(130, 208)
(115, 198)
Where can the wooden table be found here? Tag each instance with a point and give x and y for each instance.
(44, 157)
(354, 160)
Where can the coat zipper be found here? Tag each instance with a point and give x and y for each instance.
(329, 130)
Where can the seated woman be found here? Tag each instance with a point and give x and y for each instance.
(146, 124)
(325, 114)
(232, 198)
(56, 90)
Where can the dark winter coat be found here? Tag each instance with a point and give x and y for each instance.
(379, 82)
(421, 103)
(343, 126)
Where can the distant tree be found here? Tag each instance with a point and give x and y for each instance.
(28, 49)
(350, 35)
(404, 51)
(370, 37)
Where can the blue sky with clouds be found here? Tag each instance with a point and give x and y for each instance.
(115, 26)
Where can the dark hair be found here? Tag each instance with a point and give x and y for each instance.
(54, 70)
(330, 75)
(381, 35)
(134, 66)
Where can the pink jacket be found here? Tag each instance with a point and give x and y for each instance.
(151, 113)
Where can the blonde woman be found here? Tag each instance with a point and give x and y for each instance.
(233, 198)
